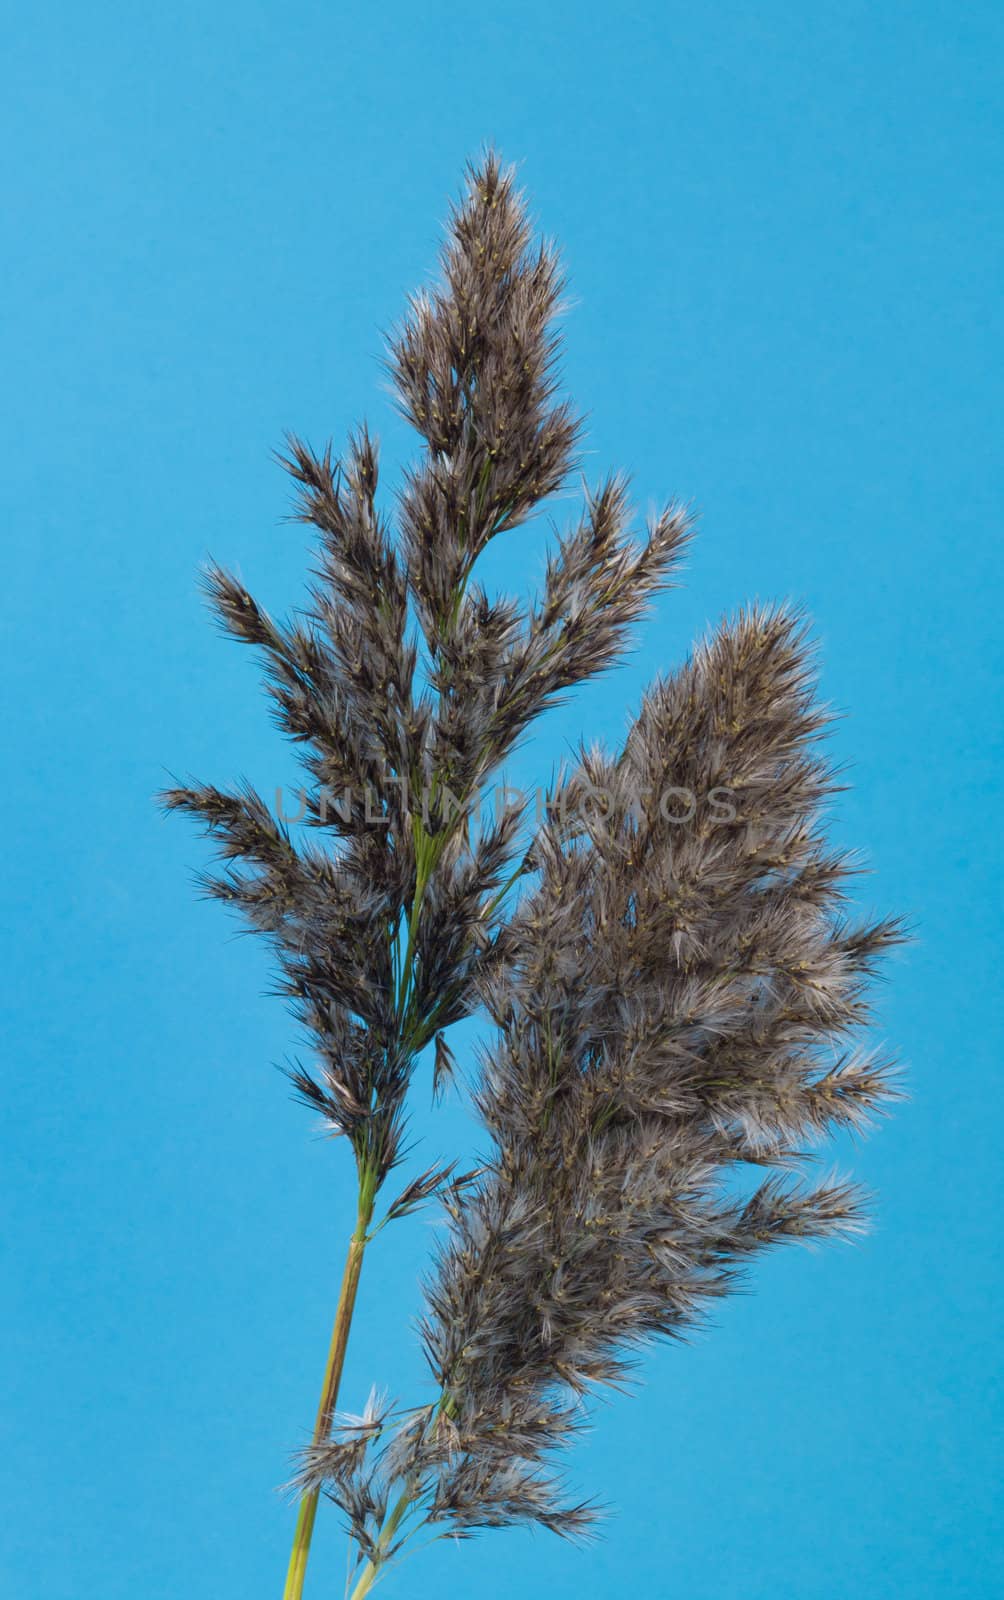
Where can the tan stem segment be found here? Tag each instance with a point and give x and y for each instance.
(329, 1394)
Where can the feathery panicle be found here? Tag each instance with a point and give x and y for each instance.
(672, 1007)
(677, 996)
(382, 937)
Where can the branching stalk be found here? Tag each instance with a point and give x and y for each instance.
(371, 1571)
(427, 851)
(307, 1510)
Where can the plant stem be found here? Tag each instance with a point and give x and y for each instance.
(427, 852)
(332, 1377)
(371, 1570)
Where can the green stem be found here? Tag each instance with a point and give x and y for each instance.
(428, 849)
(497, 899)
(371, 1571)
(406, 973)
(332, 1378)
(427, 853)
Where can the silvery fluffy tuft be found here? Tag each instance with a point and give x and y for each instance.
(676, 991)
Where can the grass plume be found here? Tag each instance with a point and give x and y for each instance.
(675, 990)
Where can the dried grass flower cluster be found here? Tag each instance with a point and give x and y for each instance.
(675, 990)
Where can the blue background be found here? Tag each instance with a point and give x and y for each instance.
(783, 234)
